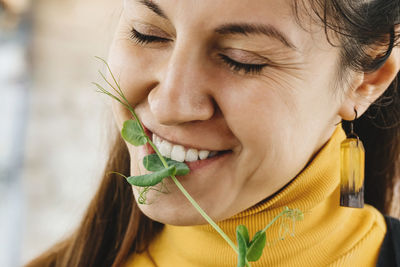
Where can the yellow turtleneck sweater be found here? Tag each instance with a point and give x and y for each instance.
(329, 235)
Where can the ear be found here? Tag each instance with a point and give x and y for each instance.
(367, 87)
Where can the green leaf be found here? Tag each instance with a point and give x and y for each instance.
(242, 244)
(244, 232)
(256, 247)
(153, 163)
(152, 178)
(133, 133)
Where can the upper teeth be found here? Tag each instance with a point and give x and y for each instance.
(179, 152)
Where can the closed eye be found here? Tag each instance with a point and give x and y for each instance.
(238, 66)
(144, 39)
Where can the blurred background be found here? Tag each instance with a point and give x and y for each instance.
(53, 124)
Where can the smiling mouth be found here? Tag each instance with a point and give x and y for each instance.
(181, 153)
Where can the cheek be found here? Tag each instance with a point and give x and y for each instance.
(132, 67)
(120, 113)
(256, 113)
(261, 118)
(276, 125)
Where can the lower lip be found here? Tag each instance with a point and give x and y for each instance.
(194, 165)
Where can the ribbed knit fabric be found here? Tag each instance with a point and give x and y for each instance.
(329, 235)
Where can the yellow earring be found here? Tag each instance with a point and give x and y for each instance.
(352, 165)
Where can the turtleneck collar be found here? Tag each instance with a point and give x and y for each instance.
(329, 235)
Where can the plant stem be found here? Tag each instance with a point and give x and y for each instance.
(193, 202)
(205, 216)
(273, 220)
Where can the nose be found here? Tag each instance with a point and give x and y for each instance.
(182, 92)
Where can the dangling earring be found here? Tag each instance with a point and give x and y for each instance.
(352, 164)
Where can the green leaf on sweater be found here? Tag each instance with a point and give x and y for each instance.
(256, 246)
(241, 231)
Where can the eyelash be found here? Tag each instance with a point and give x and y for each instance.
(144, 39)
(247, 68)
(234, 65)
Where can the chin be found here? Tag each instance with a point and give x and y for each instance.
(167, 209)
(171, 216)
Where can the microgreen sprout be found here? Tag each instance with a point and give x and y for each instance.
(161, 168)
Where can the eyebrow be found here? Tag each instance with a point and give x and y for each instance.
(154, 7)
(235, 28)
(249, 29)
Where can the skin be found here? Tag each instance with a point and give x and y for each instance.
(274, 122)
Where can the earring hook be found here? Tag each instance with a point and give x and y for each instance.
(352, 122)
(352, 133)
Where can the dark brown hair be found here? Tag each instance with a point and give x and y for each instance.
(114, 227)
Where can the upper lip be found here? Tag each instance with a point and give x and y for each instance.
(187, 145)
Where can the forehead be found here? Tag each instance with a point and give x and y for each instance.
(256, 9)
(220, 10)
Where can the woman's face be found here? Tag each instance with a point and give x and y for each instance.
(222, 75)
